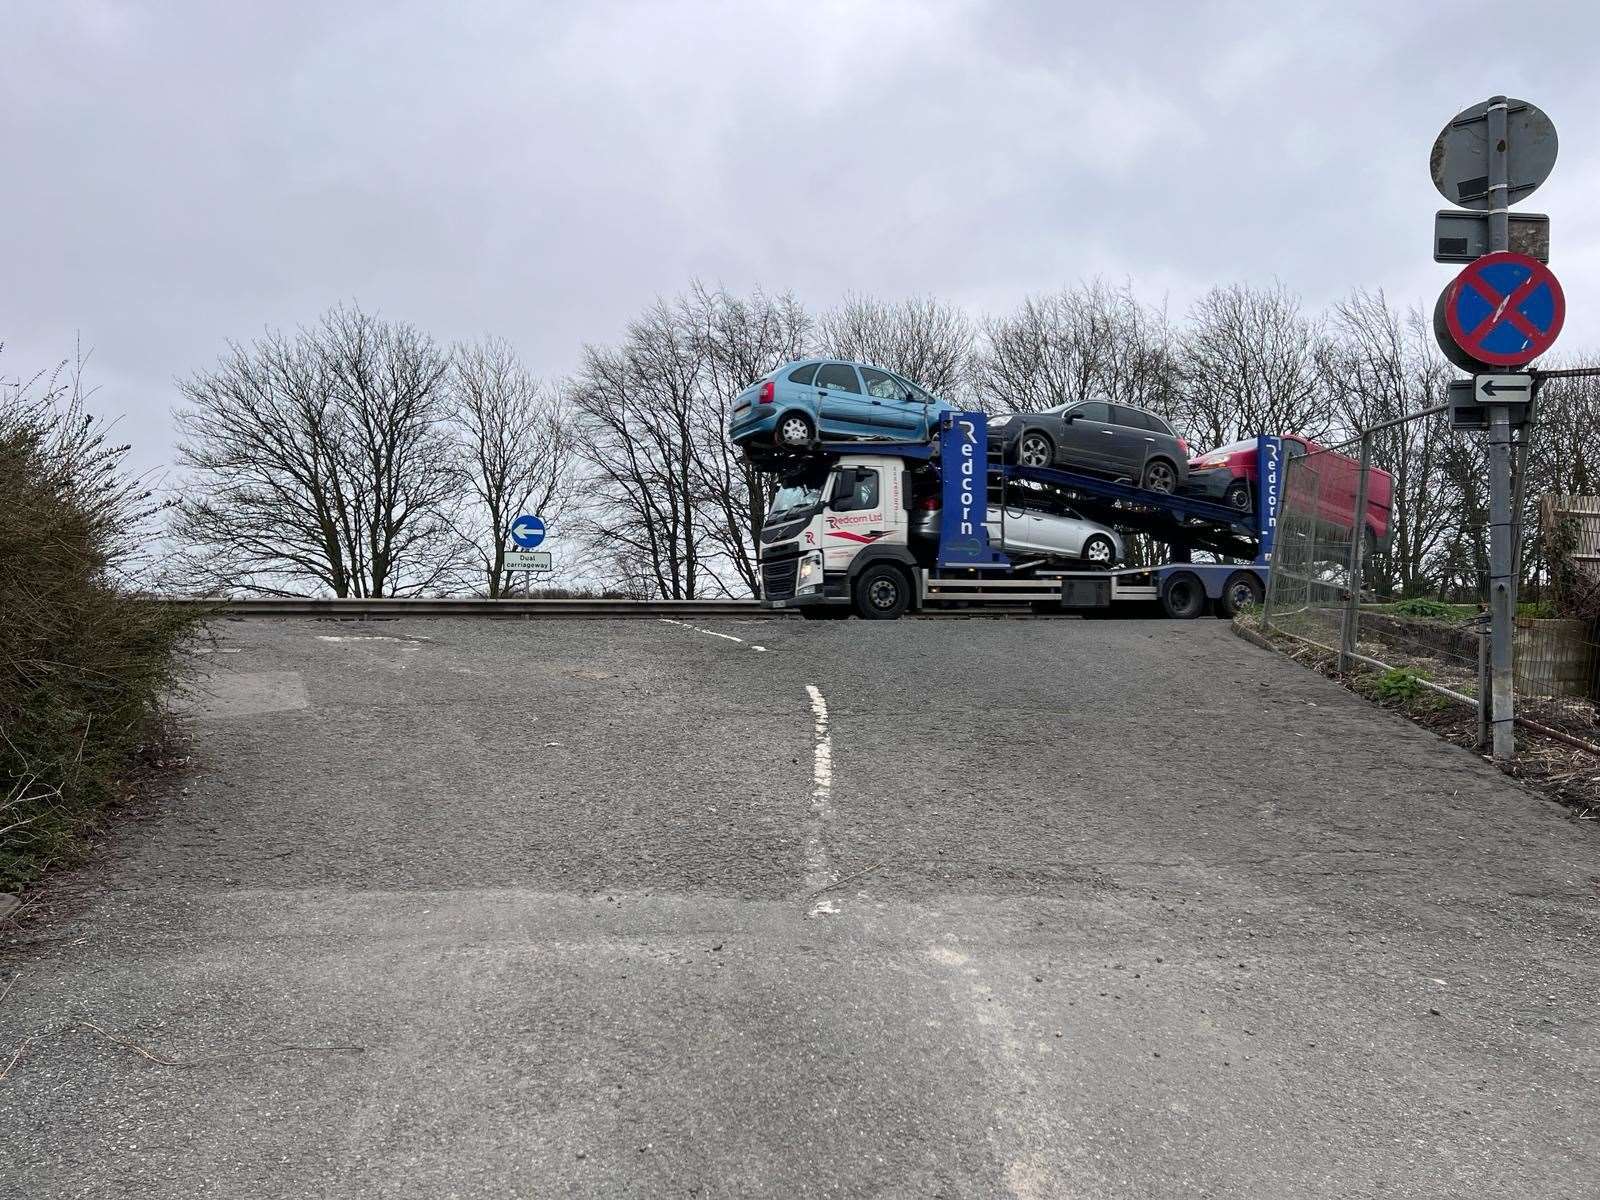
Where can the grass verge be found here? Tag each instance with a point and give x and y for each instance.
(1553, 768)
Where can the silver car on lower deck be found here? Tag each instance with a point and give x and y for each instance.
(1062, 535)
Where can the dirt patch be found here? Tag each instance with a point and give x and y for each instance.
(1458, 641)
(1551, 767)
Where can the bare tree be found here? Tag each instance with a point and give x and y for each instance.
(921, 338)
(1045, 354)
(675, 509)
(637, 432)
(514, 445)
(1561, 459)
(736, 341)
(319, 460)
(1249, 362)
(1090, 341)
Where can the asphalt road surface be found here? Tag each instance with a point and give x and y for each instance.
(927, 908)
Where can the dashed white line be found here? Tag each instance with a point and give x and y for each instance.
(366, 637)
(819, 873)
(725, 636)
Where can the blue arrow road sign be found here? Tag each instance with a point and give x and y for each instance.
(527, 532)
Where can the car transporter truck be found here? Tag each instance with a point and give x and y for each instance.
(882, 529)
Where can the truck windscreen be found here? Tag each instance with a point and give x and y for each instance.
(796, 495)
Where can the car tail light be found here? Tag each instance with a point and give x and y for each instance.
(768, 391)
(1183, 445)
(928, 503)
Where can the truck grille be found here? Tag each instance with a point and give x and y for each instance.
(785, 530)
(778, 578)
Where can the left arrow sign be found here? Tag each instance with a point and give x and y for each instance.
(1502, 388)
(527, 531)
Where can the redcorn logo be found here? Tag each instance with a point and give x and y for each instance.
(855, 519)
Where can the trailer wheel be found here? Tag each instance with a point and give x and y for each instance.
(1184, 597)
(882, 593)
(1243, 590)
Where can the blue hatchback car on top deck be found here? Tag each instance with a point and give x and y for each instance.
(826, 399)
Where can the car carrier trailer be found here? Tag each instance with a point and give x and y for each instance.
(847, 539)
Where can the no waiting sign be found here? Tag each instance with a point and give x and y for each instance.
(1505, 309)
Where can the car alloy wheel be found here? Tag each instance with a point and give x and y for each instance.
(1098, 550)
(1238, 496)
(1035, 450)
(1160, 477)
(794, 431)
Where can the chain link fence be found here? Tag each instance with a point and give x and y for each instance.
(1333, 586)
(1311, 556)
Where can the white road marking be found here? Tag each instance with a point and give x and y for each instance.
(725, 636)
(1032, 1175)
(408, 645)
(819, 874)
(359, 637)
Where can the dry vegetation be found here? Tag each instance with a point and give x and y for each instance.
(85, 664)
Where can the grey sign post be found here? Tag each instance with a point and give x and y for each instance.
(1463, 236)
(1463, 162)
(1487, 158)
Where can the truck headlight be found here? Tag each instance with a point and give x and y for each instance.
(810, 578)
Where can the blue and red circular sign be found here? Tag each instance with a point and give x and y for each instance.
(1504, 309)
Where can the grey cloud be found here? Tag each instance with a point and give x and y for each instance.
(178, 175)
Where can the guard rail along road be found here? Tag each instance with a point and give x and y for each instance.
(385, 607)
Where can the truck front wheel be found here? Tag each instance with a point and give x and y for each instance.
(882, 593)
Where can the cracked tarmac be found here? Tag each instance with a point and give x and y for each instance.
(1112, 909)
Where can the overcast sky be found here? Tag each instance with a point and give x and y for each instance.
(179, 174)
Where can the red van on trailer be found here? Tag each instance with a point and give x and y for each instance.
(1228, 474)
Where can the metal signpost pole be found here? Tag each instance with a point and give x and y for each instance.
(1501, 597)
(1501, 313)
(1519, 483)
(1358, 541)
(1499, 183)
(1485, 696)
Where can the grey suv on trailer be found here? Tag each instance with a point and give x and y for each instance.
(1102, 438)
